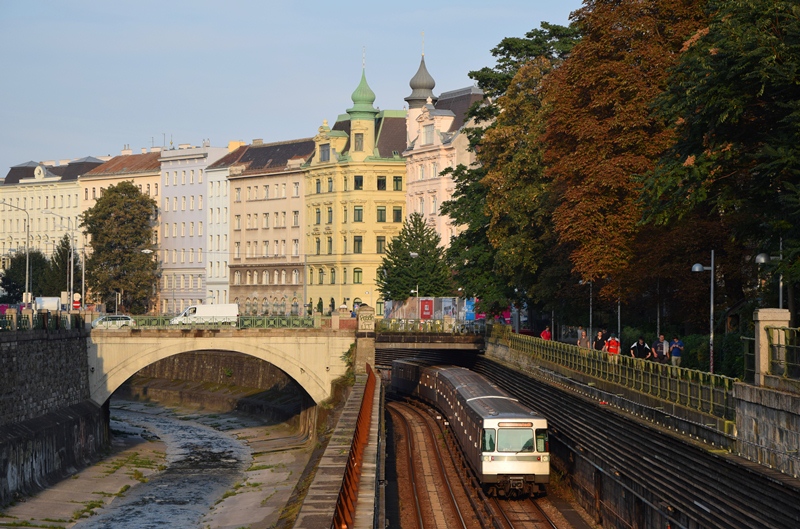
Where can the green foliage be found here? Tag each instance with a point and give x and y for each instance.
(121, 227)
(400, 273)
(13, 278)
(59, 270)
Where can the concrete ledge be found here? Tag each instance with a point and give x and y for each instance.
(319, 505)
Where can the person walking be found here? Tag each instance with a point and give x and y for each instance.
(612, 347)
(546, 335)
(660, 350)
(640, 349)
(599, 343)
(583, 341)
(675, 351)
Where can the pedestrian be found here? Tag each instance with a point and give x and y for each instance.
(599, 342)
(660, 350)
(612, 348)
(583, 341)
(546, 335)
(675, 351)
(640, 349)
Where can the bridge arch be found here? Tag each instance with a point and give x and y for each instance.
(311, 357)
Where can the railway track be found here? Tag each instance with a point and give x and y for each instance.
(683, 482)
(523, 514)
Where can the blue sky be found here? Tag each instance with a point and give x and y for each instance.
(86, 77)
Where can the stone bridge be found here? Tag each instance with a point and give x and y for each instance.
(312, 357)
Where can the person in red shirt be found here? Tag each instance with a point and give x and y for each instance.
(546, 334)
(612, 348)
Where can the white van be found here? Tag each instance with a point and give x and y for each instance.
(223, 314)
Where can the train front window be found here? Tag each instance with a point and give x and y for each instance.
(515, 440)
(541, 441)
(487, 440)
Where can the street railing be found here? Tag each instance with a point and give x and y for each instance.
(431, 326)
(784, 352)
(693, 389)
(37, 321)
(242, 322)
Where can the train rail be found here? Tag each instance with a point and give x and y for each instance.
(523, 514)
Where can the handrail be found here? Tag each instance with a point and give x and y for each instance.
(784, 352)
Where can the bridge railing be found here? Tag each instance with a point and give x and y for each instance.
(47, 321)
(694, 389)
(243, 322)
(431, 326)
(784, 352)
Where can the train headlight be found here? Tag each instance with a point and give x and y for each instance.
(488, 458)
(546, 459)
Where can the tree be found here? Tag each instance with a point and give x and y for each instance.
(601, 133)
(13, 278)
(121, 227)
(400, 272)
(60, 273)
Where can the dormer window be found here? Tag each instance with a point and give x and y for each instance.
(359, 142)
(427, 135)
(325, 152)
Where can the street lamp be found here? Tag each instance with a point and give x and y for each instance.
(71, 281)
(414, 255)
(26, 295)
(697, 267)
(590, 306)
(764, 258)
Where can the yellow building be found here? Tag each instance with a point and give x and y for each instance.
(355, 201)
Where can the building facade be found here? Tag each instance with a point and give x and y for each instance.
(435, 142)
(355, 201)
(267, 253)
(182, 241)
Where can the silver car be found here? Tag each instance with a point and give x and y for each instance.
(113, 321)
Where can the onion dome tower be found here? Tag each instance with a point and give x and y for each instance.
(422, 85)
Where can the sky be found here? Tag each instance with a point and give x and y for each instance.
(88, 77)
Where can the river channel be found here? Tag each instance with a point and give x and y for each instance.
(174, 467)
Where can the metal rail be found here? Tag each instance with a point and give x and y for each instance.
(784, 352)
(348, 495)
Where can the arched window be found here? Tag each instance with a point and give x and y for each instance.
(321, 276)
(330, 185)
(237, 278)
(357, 276)
(265, 307)
(247, 306)
(283, 277)
(333, 276)
(295, 277)
(247, 280)
(265, 278)
(275, 278)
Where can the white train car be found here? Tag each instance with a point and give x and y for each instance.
(504, 442)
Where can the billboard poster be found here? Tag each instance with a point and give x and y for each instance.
(426, 308)
(448, 308)
(469, 306)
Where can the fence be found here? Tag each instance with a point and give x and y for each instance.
(243, 322)
(41, 321)
(431, 326)
(784, 352)
(693, 389)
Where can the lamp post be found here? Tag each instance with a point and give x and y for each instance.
(764, 258)
(26, 294)
(414, 255)
(697, 267)
(590, 306)
(71, 281)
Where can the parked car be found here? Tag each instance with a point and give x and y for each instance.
(113, 321)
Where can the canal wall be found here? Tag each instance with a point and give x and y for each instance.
(48, 426)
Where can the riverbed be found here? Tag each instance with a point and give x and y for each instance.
(173, 467)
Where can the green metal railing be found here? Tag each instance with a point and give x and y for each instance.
(243, 322)
(784, 352)
(698, 390)
(430, 326)
(749, 357)
(51, 322)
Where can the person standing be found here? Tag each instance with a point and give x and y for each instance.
(675, 351)
(612, 348)
(599, 342)
(546, 335)
(660, 350)
(583, 341)
(640, 349)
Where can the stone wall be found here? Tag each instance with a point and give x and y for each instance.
(768, 427)
(41, 372)
(48, 426)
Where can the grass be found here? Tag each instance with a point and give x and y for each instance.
(88, 509)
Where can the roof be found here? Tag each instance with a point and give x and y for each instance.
(129, 164)
(391, 132)
(70, 171)
(268, 157)
(459, 102)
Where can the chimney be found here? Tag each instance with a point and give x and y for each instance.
(155, 149)
(144, 150)
(126, 150)
(258, 141)
(64, 162)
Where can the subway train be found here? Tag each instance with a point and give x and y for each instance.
(504, 442)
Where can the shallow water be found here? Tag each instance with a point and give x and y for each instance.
(202, 464)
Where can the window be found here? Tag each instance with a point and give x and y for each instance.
(319, 186)
(295, 247)
(344, 245)
(156, 190)
(174, 229)
(295, 218)
(237, 222)
(381, 214)
(283, 190)
(191, 229)
(183, 229)
(86, 194)
(333, 276)
(265, 220)
(191, 203)
(283, 219)
(311, 276)
(357, 276)
(191, 176)
(199, 176)
(422, 172)
(200, 228)
(358, 182)
(166, 204)
(358, 214)
(191, 255)
(325, 152)
(381, 183)
(330, 185)
(359, 141)
(344, 214)
(275, 248)
(174, 203)
(183, 177)
(183, 255)
(397, 214)
(421, 206)
(296, 189)
(317, 242)
(183, 203)
(435, 204)
(321, 276)
(380, 246)
(237, 194)
(248, 192)
(345, 184)
(200, 202)
(357, 244)
(330, 215)
(199, 255)
(316, 216)
(236, 250)
(330, 245)
(427, 134)
(295, 277)
(398, 183)
(264, 248)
